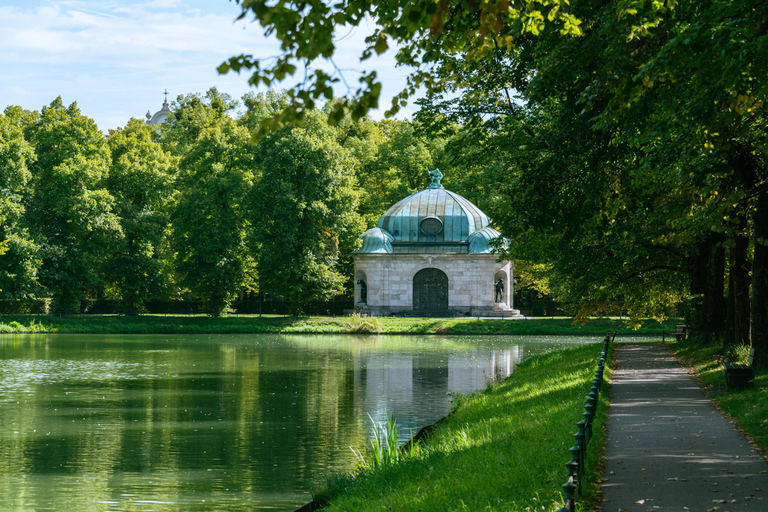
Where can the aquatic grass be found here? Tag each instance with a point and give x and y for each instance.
(384, 449)
(14, 327)
(501, 449)
(364, 324)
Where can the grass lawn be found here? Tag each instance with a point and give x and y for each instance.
(500, 450)
(194, 324)
(748, 407)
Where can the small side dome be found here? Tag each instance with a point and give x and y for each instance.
(376, 241)
(480, 240)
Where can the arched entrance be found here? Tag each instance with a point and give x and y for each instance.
(430, 290)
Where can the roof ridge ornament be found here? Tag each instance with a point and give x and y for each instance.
(436, 176)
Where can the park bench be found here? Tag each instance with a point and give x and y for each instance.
(741, 376)
(681, 332)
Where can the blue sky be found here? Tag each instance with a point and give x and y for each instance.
(116, 57)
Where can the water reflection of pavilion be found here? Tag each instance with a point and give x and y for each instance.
(387, 382)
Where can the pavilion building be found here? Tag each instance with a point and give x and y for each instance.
(432, 254)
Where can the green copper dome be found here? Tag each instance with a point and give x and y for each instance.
(431, 221)
(433, 215)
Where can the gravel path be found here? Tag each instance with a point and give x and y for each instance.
(669, 448)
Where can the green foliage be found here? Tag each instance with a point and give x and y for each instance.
(384, 448)
(364, 325)
(396, 170)
(70, 211)
(191, 116)
(304, 212)
(140, 179)
(424, 32)
(20, 260)
(211, 217)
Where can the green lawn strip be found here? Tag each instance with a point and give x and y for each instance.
(504, 449)
(748, 408)
(189, 324)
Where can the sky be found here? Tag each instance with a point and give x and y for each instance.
(115, 58)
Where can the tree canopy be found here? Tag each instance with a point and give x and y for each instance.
(423, 31)
(188, 211)
(620, 144)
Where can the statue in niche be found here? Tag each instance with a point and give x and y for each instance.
(363, 291)
(499, 287)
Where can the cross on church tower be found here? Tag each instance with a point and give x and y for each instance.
(166, 95)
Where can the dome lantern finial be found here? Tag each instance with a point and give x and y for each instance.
(436, 176)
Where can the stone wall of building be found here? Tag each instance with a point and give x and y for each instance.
(471, 277)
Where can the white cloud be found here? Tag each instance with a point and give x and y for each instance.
(116, 57)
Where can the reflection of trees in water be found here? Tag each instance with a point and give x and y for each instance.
(264, 417)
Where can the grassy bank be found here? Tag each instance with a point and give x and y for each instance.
(189, 324)
(500, 450)
(749, 407)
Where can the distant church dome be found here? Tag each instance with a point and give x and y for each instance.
(160, 115)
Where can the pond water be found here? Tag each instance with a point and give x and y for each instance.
(209, 423)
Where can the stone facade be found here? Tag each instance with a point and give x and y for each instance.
(389, 282)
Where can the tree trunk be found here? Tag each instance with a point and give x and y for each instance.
(713, 304)
(698, 275)
(699, 270)
(760, 281)
(739, 301)
(729, 331)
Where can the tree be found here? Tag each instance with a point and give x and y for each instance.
(396, 169)
(140, 180)
(70, 212)
(306, 202)
(424, 31)
(210, 220)
(642, 147)
(191, 116)
(19, 261)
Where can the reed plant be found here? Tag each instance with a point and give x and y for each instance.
(364, 324)
(384, 449)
